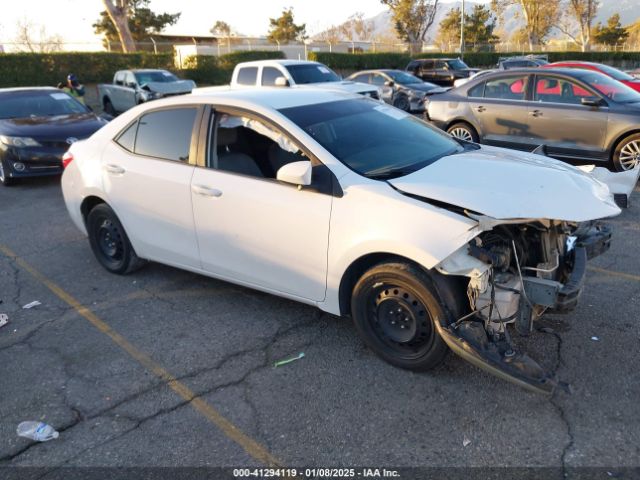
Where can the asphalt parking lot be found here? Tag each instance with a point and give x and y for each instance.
(167, 368)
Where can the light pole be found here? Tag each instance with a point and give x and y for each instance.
(462, 31)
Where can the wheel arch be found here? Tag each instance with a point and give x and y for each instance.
(451, 289)
(619, 139)
(464, 120)
(88, 204)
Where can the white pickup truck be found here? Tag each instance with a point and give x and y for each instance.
(295, 73)
(132, 87)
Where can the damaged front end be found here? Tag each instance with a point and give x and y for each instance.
(517, 271)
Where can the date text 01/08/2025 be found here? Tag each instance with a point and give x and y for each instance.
(309, 473)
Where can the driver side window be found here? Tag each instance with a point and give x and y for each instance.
(247, 146)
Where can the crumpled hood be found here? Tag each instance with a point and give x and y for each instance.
(505, 184)
(342, 86)
(181, 86)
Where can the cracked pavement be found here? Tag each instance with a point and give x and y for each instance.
(338, 406)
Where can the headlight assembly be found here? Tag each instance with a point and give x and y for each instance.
(19, 141)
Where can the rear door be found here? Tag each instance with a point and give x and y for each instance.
(146, 173)
(557, 118)
(500, 109)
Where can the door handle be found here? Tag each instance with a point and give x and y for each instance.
(536, 113)
(115, 169)
(206, 191)
(481, 109)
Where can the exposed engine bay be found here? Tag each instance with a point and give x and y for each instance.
(517, 271)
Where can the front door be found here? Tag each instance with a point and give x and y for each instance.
(250, 227)
(146, 174)
(558, 119)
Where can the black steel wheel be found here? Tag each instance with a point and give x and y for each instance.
(394, 308)
(109, 241)
(5, 179)
(108, 108)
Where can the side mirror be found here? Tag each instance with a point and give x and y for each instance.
(281, 82)
(297, 173)
(389, 83)
(131, 84)
(590, 102)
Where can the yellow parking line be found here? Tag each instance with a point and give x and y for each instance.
(253, 448)
(613, 273)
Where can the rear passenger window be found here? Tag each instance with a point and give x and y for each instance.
(166, 134)
(506, 88)
(127, 138)
(269, 75)
(247, 76)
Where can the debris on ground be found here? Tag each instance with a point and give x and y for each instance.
(465, 441)
(595, 339)
(288, 360)
(38, 431)
(35, 303)
(4, 319)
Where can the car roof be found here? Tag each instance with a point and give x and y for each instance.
(145, 70)
(269, 97)
(434, 58)
(378, 70)
(256, 63)
(26, 89)
(575, 62)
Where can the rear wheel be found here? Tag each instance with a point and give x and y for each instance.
(626, 156)
(109, 241)
(108, 108)
(5, 179)
(463, 131)
(395, 307)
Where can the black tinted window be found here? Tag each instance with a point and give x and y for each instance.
(248, 76)
(166, 134)
(127, 139)
(269, 75)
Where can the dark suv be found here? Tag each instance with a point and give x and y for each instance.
(441, 71)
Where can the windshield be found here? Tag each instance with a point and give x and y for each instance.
(403, 78)
(613, 89)
(46, 103)
(161, 76)
(374, 140)
(457, 64)
(615, 73)
(312, 73)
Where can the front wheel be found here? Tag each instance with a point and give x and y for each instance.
(627, 154)
(463, 131)
(402, 102)
(394, 308)
(108, 108)
(109, 241)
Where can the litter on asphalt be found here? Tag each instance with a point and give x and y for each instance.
(38, 431)
(4, 319)
(595, 339)
(466, 442)
(288, 360)
(29, 305)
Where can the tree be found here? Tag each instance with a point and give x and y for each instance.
(27, 40)
(478, 30)
(357, 28)
(331, 35)
(284, 30)
(539, 16)
(130, 21)
(612, 34)
(223, 29)
(577, 19)
(412, 19)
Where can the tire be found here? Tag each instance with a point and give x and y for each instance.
(109, 241)
(463, 131)
(5, 179)
(402, 102)
(394, 307)
(108, 108)
(626, 156)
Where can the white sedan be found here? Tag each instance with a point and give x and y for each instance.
(358, 208)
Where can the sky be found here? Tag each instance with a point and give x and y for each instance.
(72, 19)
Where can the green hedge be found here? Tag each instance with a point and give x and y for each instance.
(34, 69)
(348, 62)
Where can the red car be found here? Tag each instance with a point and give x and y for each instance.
(599, 67)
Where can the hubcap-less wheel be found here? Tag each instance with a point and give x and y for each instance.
(630, 155)
(110, 241)
(400, 320)
(461, 133)
(402, 103)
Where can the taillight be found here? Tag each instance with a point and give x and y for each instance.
(67, 158)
